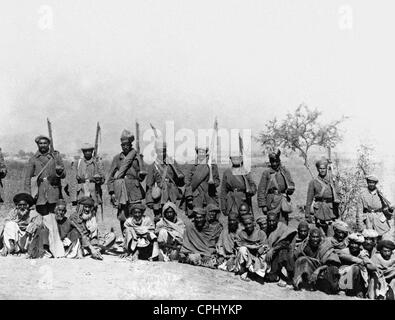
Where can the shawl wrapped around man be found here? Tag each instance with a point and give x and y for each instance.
(310, 264)
(385, 268)
(174, 229)
(138, 234)
(247, 255)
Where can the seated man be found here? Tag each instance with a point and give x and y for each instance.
(354, 275)
(316, 265)
(384, 260)
(198, 246)
(83, 220)
(215, 227)
(303, 232)
(19, 226)
(139, 233)
(251, 245)
(72, 238)
(279, 240)
(261, 222)
(340, 232)
(226, 245)
(170, 231)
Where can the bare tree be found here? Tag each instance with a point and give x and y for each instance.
(299, 132)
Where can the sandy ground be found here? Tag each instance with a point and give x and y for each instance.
(115, 278)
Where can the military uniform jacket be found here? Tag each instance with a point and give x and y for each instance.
(49, 183)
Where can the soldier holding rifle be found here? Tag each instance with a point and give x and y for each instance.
(43, 176)
(125, 177)
(88, 174)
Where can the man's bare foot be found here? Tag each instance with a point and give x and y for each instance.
(4, 252)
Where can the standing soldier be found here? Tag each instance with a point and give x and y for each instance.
(373, 210)
(200, 188)
(87, 177)
(47, 169)
(125, 177)
(3, 173)
(236, 189)
(324, 192)
(163, 181)
(275, 187)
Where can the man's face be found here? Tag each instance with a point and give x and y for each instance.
(355, 248)
(43, 145)
(23, 207)
(236, 161)
(274, 164)
(199, 220)
(212, 216)
(272, 222)
(386, 253)
(88, 154)
(232, 224)
(262, 225)
(314, 239)
(137, 214)
(87, 211)
(371, 185)
(249, 226)
(339, 235)
(322, 169)
(303, 232)
(369, 244)
(170, 214)
(126, 146)
(60, 212)
(201, 155)
(243, 209)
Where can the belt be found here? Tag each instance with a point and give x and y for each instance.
(238, 190)
(372, 211)
(131, 177)
(43, 179)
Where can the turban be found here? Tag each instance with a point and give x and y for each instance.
(23, 196)
(372, 177)
(261, 219)
(168, 205)
(385, 244)
(86, 201)
(41, 136)
(356, 237)
(134, 206)
(247, 217)
(61, 202)
(233, 215)
(212, 207)
(127, 135)
(199, 211)
(303, 223)
(321, 162)
(315, 230)
(201, 147)
(87, 146)
(370, 233)
(340, 225)
(275, 155)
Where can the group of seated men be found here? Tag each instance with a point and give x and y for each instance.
(263, 249)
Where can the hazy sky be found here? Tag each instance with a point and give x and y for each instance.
(244, 61)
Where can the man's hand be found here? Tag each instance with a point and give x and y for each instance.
(113, 200)
(156, 218)
(264, 210)
(290, 191)
(66, 242)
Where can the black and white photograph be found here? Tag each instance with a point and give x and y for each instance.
(195, 150)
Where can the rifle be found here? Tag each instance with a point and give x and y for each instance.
(142, 172)
(96, 156)
(210, 157)
(51, 148)
(248, 187)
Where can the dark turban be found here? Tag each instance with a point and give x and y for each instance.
(86, 201)
(41, 136)
(23, 196)
(275, 155)
(138, 206)
(321, 162)
(385, 244)
(303, 223)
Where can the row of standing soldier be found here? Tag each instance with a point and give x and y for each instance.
(191, 186)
